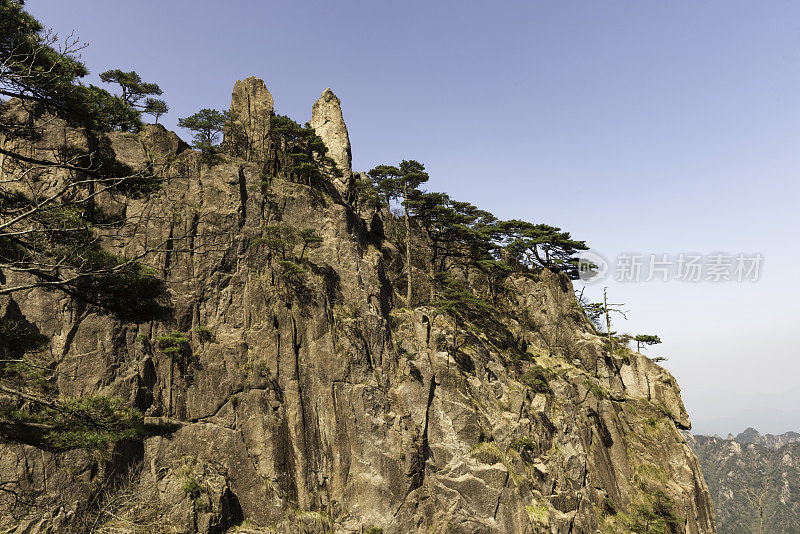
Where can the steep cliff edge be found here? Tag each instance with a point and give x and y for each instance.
(309, 400)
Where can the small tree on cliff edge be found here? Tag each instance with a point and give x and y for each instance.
(206, 126)
(647, 340)
(608, 308)
(540, 245)
(155, 107)
(134, 90)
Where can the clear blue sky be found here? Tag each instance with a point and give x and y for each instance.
(640, 126)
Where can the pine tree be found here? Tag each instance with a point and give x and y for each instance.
(307, 150)
(540, 245)
(401, 182)
(47, 235)
(155, 107)
(647, 340)
(206, 126)
(134, 90)
(310, 239)
(455, 230)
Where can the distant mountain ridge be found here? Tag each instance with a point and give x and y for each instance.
(771, 441)
(744, 464)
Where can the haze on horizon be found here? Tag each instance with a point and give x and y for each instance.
(644, 128)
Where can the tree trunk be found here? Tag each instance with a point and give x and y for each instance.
(432, 266)
(2, 157)
(432, 275)
(171, 379)
(408, 244)
(608, 320)
(539, 258)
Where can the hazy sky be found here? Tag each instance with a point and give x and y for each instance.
(639, 126)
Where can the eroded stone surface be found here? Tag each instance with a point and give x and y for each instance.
(323, 406)
(251, 115)
(328, 123)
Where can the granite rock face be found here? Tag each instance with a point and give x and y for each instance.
(251, 110)
(328, 123)
(311, 402)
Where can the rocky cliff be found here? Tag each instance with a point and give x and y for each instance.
(308, 399)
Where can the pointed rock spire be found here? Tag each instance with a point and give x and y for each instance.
(251, 115)
(328, 123)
